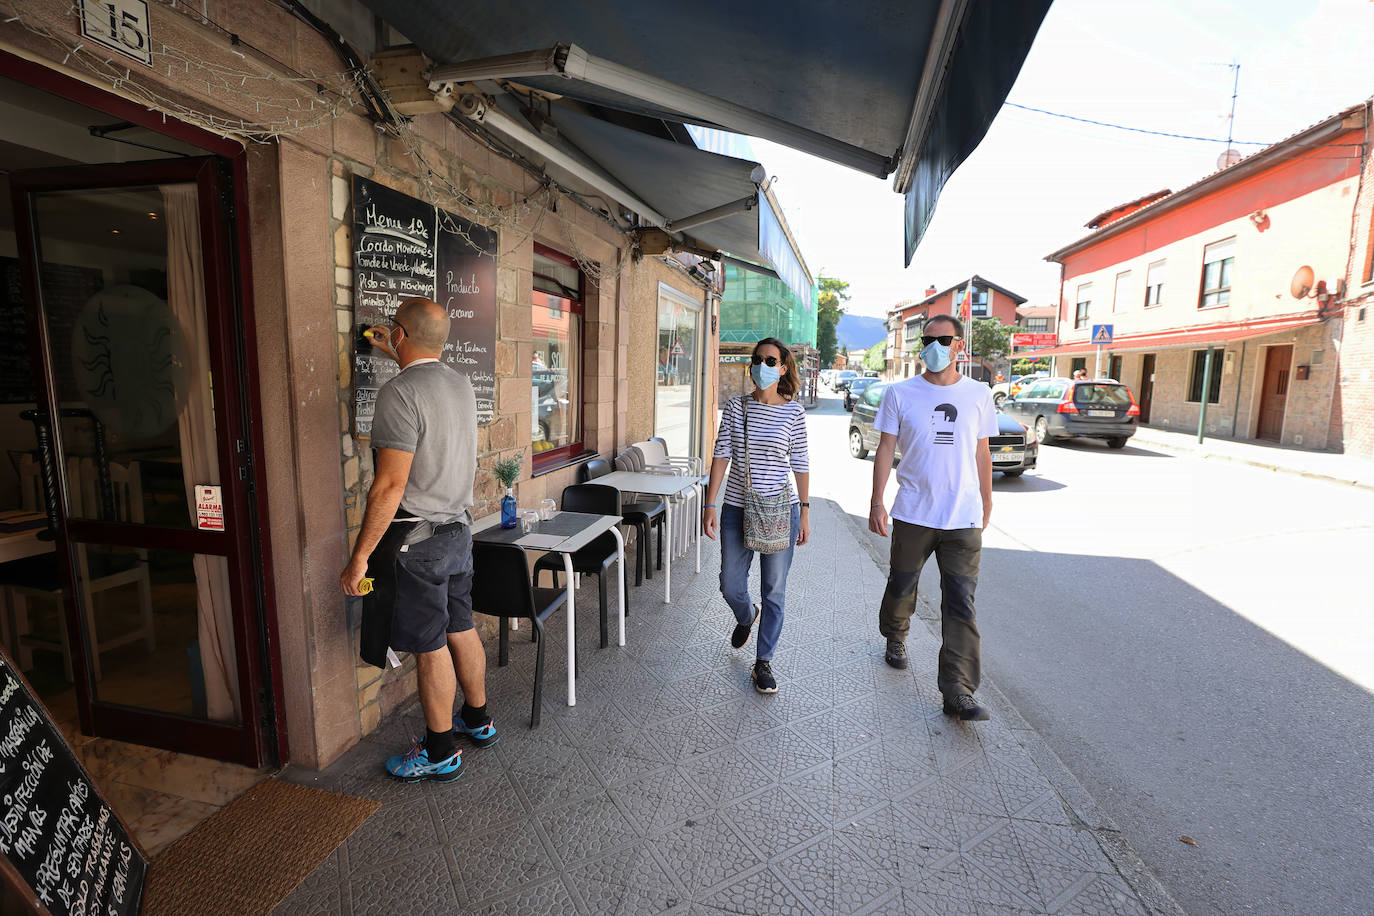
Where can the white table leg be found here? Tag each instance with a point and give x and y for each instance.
(696, 532)
(620, 548)
(572, 632)
(668, 567)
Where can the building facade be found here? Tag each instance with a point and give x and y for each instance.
(904, 321)
(1251, 270)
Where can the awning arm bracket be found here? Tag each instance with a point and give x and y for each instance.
(742, 205)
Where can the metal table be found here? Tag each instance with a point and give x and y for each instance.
(572, 531)
(656, 485)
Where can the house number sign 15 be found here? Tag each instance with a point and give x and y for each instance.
(121, 25)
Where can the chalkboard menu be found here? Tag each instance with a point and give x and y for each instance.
(65, 844)
(404, 247)
(65, 290)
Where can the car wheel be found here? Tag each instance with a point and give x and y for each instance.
(1016, 473)
(998, 398)
(856, 444)
(1042, 431)
(1116, 442)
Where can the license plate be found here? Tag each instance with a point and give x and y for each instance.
(1102, 413)
(1008, 457)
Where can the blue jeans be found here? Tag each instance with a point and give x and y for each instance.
(735, 560)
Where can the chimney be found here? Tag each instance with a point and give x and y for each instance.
(930, 291)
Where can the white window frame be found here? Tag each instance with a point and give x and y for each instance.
(699, 355)
(1154, 292)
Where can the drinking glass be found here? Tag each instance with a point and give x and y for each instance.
(528, 519)
(547, 507)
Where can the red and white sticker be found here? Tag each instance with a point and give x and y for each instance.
(209, 508)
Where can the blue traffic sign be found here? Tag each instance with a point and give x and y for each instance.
(1102, 333)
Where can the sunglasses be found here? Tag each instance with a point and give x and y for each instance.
(944, 339)
(769, 361)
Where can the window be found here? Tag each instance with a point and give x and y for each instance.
(1154, 285)
(1123, 281)
(1084, 300)
(1114, 368)
(1216, 274)
(1199, 368)
(980, 303)
(873, 397)
(1077, 363)
(556, 364)
(1038, 325)
(676, 400)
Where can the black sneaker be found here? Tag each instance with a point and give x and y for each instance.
(764, 682)
(896, 654)
(740, 636)
(967, 708)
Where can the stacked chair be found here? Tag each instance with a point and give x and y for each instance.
(642, 514)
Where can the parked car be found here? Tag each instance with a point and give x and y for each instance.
(1002, 390)
(1014, 448)
(1063, 408)
(855, 390)
(827, 376)
(842, 378)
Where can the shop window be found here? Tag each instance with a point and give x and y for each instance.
(1123, 282)
(1195, 379)
(1084, 300)
(1154, 285)
(556, 364)
(1217, 259)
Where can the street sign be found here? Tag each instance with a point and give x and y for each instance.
(1034, 340)
(677, 348)
(963, 357)
(1102, 334)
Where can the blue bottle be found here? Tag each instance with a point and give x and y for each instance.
(508, 519)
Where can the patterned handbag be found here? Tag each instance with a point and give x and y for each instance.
(767, 519)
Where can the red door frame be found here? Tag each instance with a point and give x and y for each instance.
(268, 725)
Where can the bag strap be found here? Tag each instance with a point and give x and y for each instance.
(744, 406)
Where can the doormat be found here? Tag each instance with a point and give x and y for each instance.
(246, 858)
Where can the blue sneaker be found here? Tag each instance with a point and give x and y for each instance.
(482, 735)
(415, 765)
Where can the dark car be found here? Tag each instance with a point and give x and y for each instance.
(855, 390)
(1014, 448)
(1064, 408)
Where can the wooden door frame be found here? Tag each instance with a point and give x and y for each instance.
(1257, 400)
(266, 720)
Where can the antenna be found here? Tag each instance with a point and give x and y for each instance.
(1231, 156)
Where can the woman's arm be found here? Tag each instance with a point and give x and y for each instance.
(709, 516)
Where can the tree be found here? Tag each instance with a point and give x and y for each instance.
(876, 357)
(991, 339)
(829, 309)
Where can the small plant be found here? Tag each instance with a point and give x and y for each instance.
(507, 470)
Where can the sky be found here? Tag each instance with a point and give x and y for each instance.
(1035, 180)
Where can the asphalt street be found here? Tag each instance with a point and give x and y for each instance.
(1195, 641)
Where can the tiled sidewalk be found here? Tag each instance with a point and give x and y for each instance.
(673, 787)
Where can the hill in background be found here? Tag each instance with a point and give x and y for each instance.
(859, 332)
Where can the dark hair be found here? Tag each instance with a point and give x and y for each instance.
(958, 325)
(789, 384)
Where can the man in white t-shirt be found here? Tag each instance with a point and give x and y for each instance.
(941, 421)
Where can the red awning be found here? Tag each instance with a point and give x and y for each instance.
(1209, 336)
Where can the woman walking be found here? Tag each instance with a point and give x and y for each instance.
(762, 437)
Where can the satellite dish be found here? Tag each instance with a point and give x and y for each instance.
(1228, 158)
(1302, 282)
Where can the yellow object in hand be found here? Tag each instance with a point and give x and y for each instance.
(365, 586)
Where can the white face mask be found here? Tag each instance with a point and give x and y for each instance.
(936, 356)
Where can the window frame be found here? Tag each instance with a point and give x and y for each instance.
(542, 462)
(1195, 372)
(1037, 325)
(1224, 272)
(1119, 302)
(1157, 288)
(1082, 307)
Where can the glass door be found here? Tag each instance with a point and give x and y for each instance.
(146, 598)
(678, 372)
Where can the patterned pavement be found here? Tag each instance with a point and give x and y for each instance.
(673, 787)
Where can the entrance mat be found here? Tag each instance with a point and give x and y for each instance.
(246, 858)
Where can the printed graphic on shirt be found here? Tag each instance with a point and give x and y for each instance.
(942, 423)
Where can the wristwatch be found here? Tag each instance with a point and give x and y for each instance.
(806, 505)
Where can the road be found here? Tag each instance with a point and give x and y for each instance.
(1195, 641)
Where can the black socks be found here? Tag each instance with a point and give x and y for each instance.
(439, 745)
(475, 716)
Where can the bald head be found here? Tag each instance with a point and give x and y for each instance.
(425, 322)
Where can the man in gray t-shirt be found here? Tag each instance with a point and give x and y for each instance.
(424, 432)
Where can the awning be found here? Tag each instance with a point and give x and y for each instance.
(1210, 336)
(713, 199)
(883, 86)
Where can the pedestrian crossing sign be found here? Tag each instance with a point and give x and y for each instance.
(1102, 333)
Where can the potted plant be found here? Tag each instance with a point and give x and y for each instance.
(507, 470)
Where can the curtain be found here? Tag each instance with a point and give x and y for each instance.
(199, 457)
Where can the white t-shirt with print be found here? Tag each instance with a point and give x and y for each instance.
(937, 429)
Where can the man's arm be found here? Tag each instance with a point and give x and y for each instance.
(383, 499)
(882, 469)
(985, 479)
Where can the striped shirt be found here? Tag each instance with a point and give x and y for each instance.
(777, 444)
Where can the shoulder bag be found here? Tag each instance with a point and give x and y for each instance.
(767, 519)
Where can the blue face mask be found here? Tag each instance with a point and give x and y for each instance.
(936, 356)
(764, 376)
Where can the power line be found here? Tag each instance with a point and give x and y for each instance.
(1137, 130)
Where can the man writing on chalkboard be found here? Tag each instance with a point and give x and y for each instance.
(425, 436)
